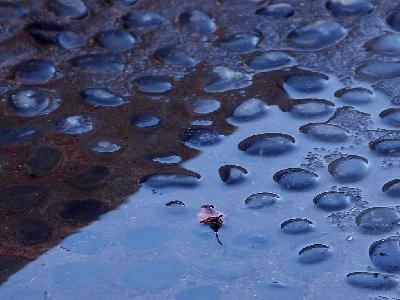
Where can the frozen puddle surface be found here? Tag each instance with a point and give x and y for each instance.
(261, 138)
(308, 219)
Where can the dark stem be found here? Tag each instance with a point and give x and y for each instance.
(216, 235)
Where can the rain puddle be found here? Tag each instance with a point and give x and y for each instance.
(193, 157)
(301, 220)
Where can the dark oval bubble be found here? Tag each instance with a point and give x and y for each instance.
(241, 2)
(34, 71)
(269, 61)
(146, 238)
(348, 169)
(348, 8)
(317, 35)
(44, 32)
(386, 147)
(325, 132)
(393, 20)
(306, 83)
(16, 135)
(332, 201)
(75, 125)
(201, 292)
(175, 208)
(123, 2)
(44, 161)
(267, 144)
(93, 177)
(204, 106)
(143, 19)
(19, 198)
(222, 79)
(391, 116)
(278, 10)
(70, 39)
(153, 275)
(377, 220)
(260, 200)
(99, 63)
(297, 225)
(200, 136)
(378, 70)
(152, 84)
(311, 107)
(118, 40)
(232, 174)
(222, 268)
(72, 9)
(315, 253)
(354, 95)
(33, 231)
(175, 203)
(102, 97)
(28, 102)
(392, 188)
(171, 180)
(372, 280)
(79, 210)
(296, 179)
(385, 254)
(12, 10)
(198, 22)
(239, 43)
(387, 44)
(105, 147)
(170, 55)
(249, 110)
(145, 120)
(171, 159)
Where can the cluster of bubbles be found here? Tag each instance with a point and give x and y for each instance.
(33, 98)
(34, 101)
(346, 169)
